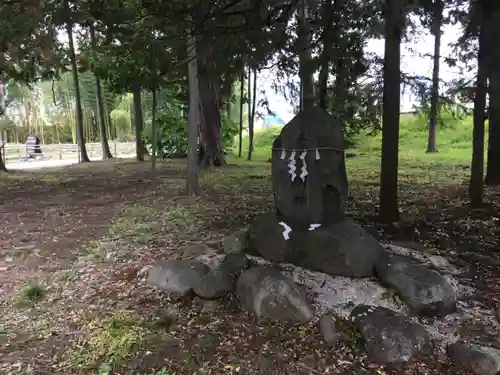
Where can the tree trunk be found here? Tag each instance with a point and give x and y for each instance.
(192, 180)
(154, 133)
(242, 92)
(112, 127)
(323, 81)
(433, 115)
(209, 109)
(251, 125)
(138, 123)
(3, 168)
(80, 138)
(394, 23)
(249, 94)
(493, 163)
(477, 167)
(106, 152)
(305, 63)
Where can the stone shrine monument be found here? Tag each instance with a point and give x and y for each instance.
(308, 227)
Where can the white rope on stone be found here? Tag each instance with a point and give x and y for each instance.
(292, 167)
(304, 172)
(314, 226)
(287, 230)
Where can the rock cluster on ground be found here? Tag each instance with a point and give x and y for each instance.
(389, 336)
(391, 298)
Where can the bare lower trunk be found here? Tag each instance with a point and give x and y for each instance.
(192, 179)
(154, 132)
(251, 125)
(394, 22)
(138, 123)
(242, 92)
(493, 163)
(80, 137)
(211, 140)
(3, 168)
(433, 116)
(106, 153)
(477, 167)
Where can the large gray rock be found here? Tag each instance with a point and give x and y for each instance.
(328, 329)
(268, 294)
(234, 264)
(214, 284)
(340, 249)
(177, 276)
(424, 290)
(236, 242)
(220, 281)
(390, 337)
(481, 360)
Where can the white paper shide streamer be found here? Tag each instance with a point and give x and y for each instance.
(303, 172)
(292, 167)
(317, 154)
(314, 226)
(287, 230)
(283, 155)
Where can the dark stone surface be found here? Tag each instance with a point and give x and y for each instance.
(236, 242)
(390, 337)
(234, 264)
(328, 329)
(320, 199)
(268, 294)
(177, 276)
(481, 360)
(424, 290)
(214, 284)
(220, 281)
(341, 249)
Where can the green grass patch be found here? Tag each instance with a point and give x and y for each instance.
(116, 340)
(32, 293)
(141, 223)
(56, 180)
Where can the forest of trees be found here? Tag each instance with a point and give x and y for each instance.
(187, 67)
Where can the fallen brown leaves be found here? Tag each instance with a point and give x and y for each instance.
(96, 309)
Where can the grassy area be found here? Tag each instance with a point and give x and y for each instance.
(454, 141)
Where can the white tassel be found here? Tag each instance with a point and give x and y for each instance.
(283, 155)
(314, 226)
(292, 167)
(304, 172)
(317, 154)
(286, 232)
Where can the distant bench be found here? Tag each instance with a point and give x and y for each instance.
(33, 148)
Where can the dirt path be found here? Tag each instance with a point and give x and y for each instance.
(74, 244)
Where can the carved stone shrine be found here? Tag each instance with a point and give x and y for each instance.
(308, 227)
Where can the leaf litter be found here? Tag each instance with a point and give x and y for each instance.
(74, 247)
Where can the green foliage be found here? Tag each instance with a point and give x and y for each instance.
(122, 124)
(7, 124)
(229, 130)
(172, 134)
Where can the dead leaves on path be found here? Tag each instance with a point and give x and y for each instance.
(97, 229)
